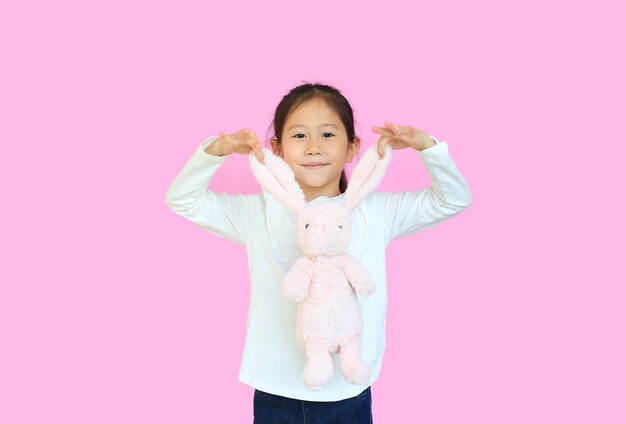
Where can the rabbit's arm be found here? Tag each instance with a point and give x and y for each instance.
(225, 215)
(298, 278)
(405, 213)
(358, 276)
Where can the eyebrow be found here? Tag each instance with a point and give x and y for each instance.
(321, 125)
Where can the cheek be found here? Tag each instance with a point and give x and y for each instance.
(340, 156)
(291, 161)
(292, 155)
(289, 152)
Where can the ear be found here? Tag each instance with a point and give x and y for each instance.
(353, 149)
(367, 175)
(276, 147)
(278, 179)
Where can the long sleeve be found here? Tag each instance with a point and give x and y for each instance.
(225, 215)
(408, 212)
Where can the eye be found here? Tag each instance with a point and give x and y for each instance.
(306, 226)
(328, 134)
(341, 227)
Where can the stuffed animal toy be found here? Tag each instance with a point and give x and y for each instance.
(326, 280)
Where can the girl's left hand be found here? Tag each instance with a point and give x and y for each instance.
(400, 137)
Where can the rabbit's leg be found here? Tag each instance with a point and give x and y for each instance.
(319, 367)
(352, 367)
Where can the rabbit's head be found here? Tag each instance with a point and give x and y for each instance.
(323, 229)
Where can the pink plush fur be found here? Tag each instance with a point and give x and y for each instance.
(327, 279)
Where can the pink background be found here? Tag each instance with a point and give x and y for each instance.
(113, 309)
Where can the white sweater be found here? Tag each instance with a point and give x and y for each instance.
(272, 361)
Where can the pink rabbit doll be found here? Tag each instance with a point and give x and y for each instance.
(326, 280)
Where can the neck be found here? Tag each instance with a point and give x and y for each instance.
(309, 195)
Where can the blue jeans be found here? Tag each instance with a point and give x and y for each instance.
(274, 409)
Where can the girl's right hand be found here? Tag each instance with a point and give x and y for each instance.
(243, 142)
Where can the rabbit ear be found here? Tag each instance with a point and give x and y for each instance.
(278, 179)
(367, 174)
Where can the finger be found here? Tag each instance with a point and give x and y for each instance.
(260, 155)
(396, 129)
(249, 136)
(258, 150)
(241, 135)
(251, 139)
(382, 131)
(380, 148)
(401, 133)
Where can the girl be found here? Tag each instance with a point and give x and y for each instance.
(313, 133)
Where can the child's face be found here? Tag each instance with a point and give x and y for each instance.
(307, 138)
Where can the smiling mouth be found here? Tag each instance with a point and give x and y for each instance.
(315, 166)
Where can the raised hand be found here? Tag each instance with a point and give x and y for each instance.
(242, 142)
(400, 137)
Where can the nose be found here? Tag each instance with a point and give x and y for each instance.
(314, 146)
(323, 227)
